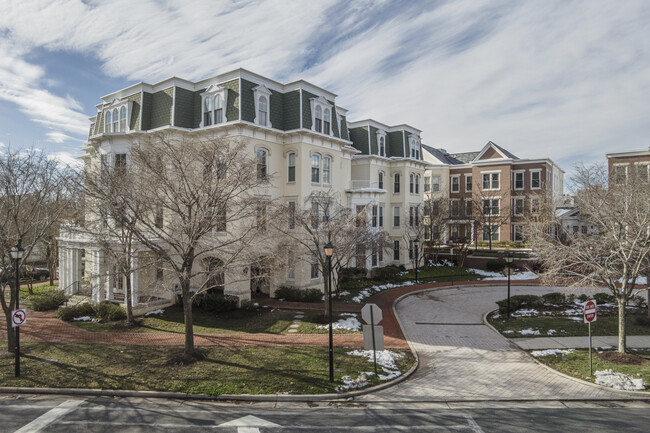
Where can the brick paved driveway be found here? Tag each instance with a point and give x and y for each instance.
(462, 359)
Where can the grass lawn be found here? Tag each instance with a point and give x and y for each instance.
(226, 370)
(262, 320)
(26, 298)
(576, 364)
(564, 327)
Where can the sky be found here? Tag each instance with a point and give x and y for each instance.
(566, 80)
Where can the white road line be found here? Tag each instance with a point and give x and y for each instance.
(372, 428)
(50, 416)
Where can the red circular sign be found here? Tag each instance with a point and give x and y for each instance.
(590, 311)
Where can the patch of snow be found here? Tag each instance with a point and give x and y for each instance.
(577, 319)
(351, 324)
(385, 359)
(508, 332)
(350, 383)
(616, 380)
(551, 352)
(496, 315)
(525, 313)
(367, 292)
(349, 314)
(639, 280)
(343, 293)
(256, 304)
(82, 319)
(151, 313)
(526, 275)
(529, 331)
(551, 332)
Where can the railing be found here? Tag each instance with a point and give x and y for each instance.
(363, 184)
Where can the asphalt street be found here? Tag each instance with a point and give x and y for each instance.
(70, 415)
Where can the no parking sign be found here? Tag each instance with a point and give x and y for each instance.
(18, 317)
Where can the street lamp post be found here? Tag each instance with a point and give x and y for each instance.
(416, 242)
(509, 259)
(17, 254)
(329, 251)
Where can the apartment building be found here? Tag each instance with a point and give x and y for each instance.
(623, 164)
(299, 134)
(492, 192)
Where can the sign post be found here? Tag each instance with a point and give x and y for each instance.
(590, 315)
(372, 314)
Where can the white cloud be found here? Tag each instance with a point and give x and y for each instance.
(66, 159)
(542, 78)
(59, 137)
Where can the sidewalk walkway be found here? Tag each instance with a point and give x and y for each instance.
(633, 342)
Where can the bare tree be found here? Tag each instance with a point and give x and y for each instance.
(491, 209)
(354, 234)
(34, 194)
(436, 215)
(618, 254)
(198, 197)
(413, 229)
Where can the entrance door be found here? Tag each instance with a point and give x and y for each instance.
(260, 279)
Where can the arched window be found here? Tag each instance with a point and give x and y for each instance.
(262, 168)
(218, 110)
(291, 167)
(123, 119)
(396, 183)
(108, 122)
(417, 184)
(115, 121)
(327, 169)
(380, 184)
(412, 183)
(415, 148)
(382, 146)
(319, 119)
(263, 111)
(326, 121)
(207, 112)
(315, 168)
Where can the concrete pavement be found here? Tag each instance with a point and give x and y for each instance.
(633, 342)
(461, 358)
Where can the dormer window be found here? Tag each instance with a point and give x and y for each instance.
(326, 121)
(381, 139)
(319, 119)
(262, 97)
(108, 122)
(218, 110)
(215, 98)
(322, 112)
(123, 119)
(117, 113)
(207, 112)
(415, 147)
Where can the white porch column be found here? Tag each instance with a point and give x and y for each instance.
(472, 235)
(110, 281)
(76, 270)
(94, 277)
(62, 267)
(134, 281)
(69, 271)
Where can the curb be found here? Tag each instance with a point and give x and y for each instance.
(641, 394)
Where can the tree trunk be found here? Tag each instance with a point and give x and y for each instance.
(11, 336)
(622, 344)
(187, 314)
(128, 298)
(648, 292)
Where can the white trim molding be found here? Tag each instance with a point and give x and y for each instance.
(259, 91)
(211, 93)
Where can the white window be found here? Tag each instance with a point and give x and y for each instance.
(214, 99)
(263, 111)
(490, 231)
(435, 184)
(491, 206)
(115, 121)
(207, 112)
(417, 184)
(291, 167)
(411, 183)
(534, 205)
(327, 170)
(468, 183)
(315, 168)
(107, 122)
(291, 215)
(491, 181)
(380, 183)
(455, 183)
(414, 216)
(120, 161)
(291, 267)
(396, 183)
(326, 121)
(396, 211)
(262, 164)
(517, 232)
(468, 207)
(518, 206)
(396, 251)
(415, 147)
(123, 119)
(382, 146)
(314, 271)
(536, 179)
(518, 180)
(381, 216)
(262, 98)
(319, 119)
(427, 184)
(620, 174)
(375, 216)
(455, 207)
(218, 110)
(261, 217)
